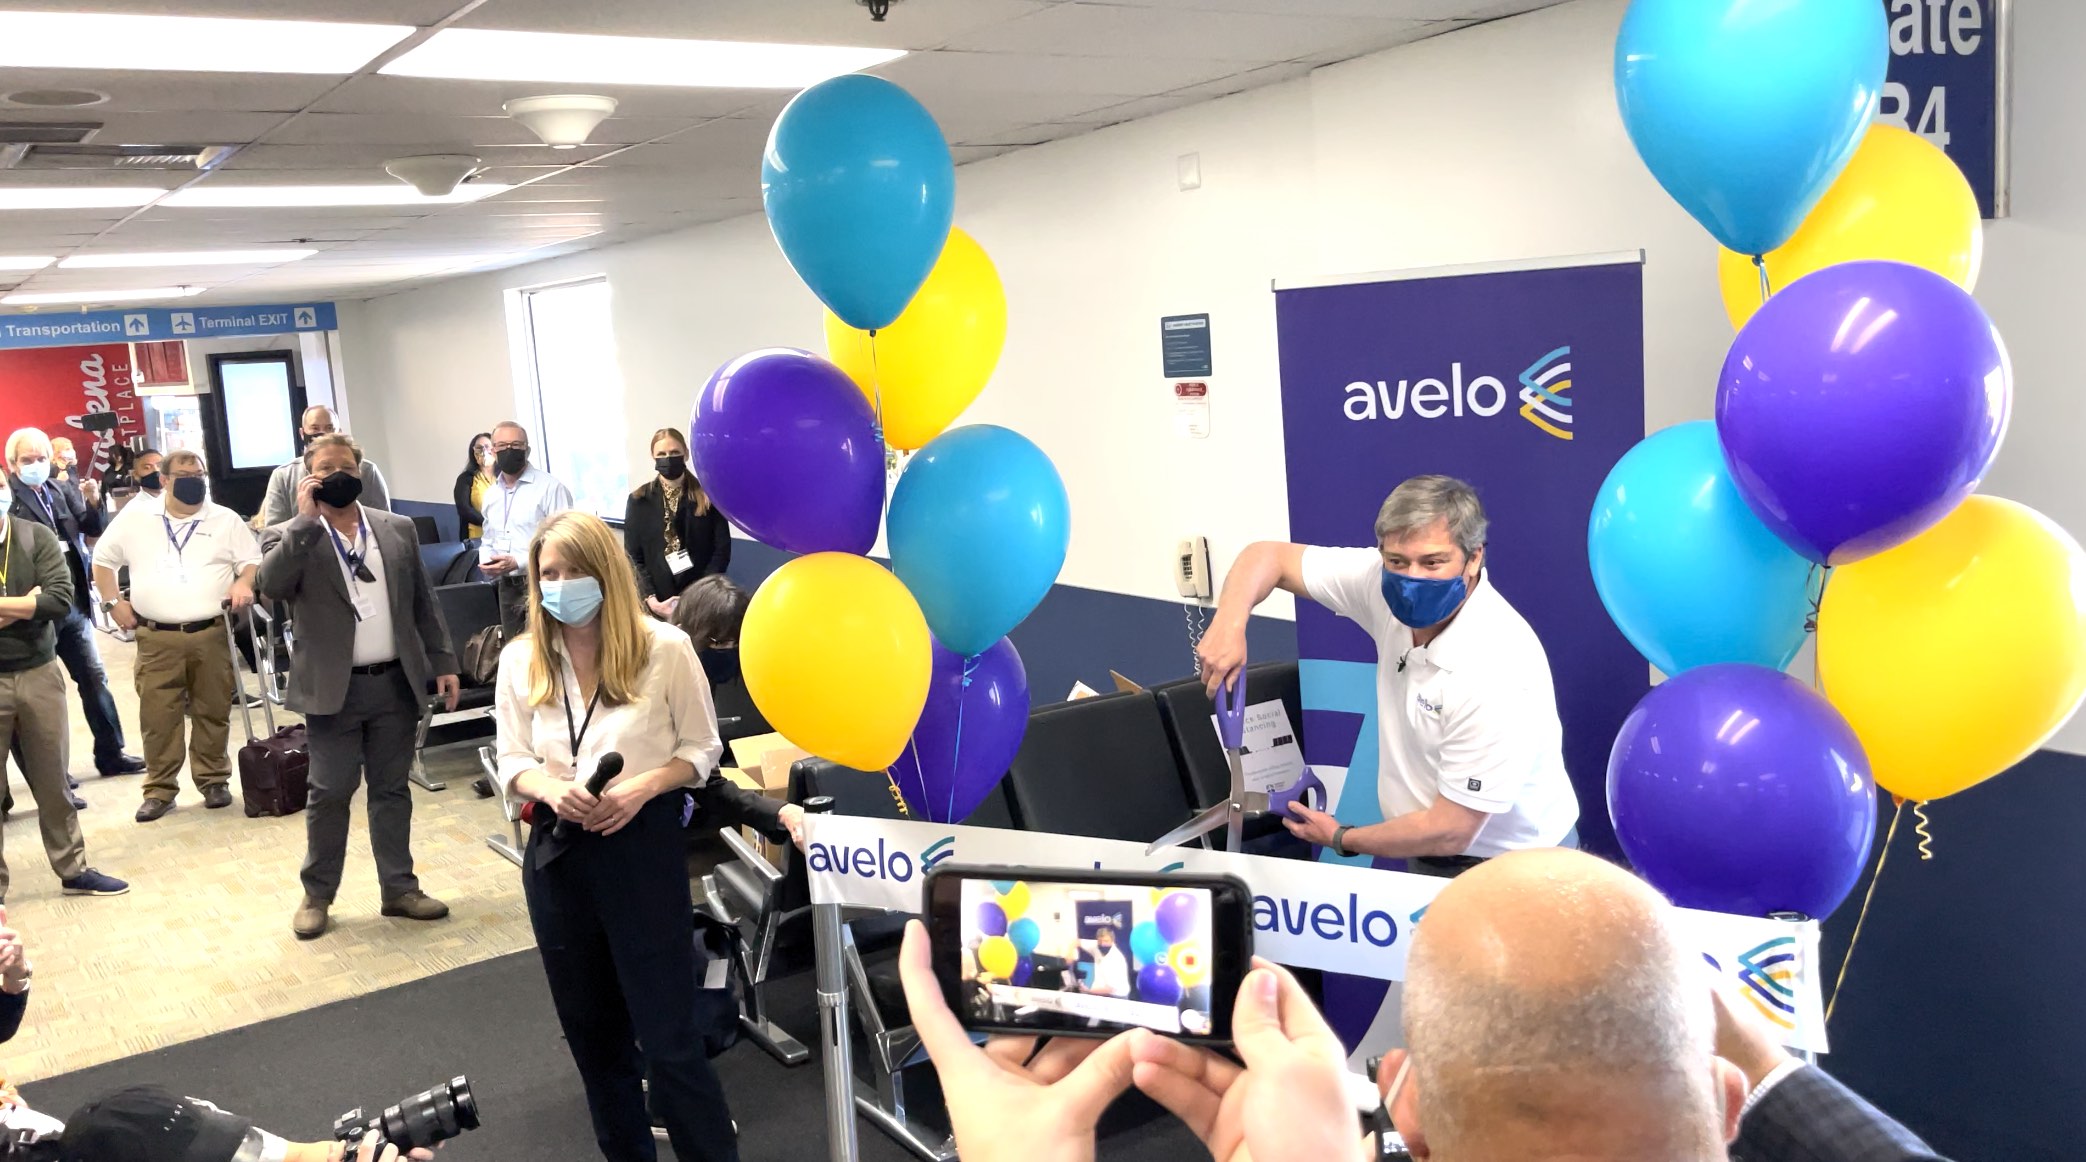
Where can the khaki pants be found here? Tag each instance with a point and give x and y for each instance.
(32, 712)
(185, 676)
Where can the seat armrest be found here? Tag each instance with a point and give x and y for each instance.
(744, 852)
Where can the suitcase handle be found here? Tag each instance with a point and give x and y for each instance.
(246, 718)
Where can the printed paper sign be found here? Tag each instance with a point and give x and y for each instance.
(1273, 759)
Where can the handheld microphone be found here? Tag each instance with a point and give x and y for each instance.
(610, 766)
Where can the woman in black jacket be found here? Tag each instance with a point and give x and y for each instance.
(471, 484)
(670, 529)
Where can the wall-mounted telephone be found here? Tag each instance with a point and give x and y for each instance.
(1192, 569)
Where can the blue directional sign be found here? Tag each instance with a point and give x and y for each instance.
(150, 325)
(1947, 83)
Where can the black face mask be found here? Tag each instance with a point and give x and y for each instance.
(339, 490)
(190, 489)
(720, 666)
(670, 467)
(149, 482)
(511, 461)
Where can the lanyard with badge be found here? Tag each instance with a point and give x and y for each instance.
(178, 575)
(356, 561)
(578, 734)
(50, 517)
(503, 542)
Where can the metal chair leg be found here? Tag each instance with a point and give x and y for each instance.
(418, 774)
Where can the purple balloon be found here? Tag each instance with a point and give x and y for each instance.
(1176, 916)
(786, 446)
(1736, 788)
(1157, 984)
(967, 734)
(1860, 405)
(1024, 970)
(992, 919)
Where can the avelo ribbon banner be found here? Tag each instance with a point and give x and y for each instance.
(1326, 916)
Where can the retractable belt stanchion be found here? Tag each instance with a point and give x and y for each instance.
(836, 1052)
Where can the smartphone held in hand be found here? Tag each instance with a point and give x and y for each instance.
(1074, 952)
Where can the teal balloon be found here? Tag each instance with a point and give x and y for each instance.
(1689, 574)
(978, 528)
(1146, 944)
(860, 190)
(1003, 886)
(1025, 935)
(1746, 110)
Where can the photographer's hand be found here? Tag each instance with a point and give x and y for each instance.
(375, 1149)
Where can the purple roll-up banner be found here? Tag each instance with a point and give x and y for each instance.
(1527, 380)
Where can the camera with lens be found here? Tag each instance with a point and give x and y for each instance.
(423, 1120)
(25, 1146)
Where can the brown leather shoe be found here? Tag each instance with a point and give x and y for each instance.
(416, 906)
(152, 809)
(310, 921)
(218, 796)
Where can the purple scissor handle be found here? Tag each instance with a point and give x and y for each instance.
(1307, 790)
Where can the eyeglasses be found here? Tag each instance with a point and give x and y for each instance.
(510, 447)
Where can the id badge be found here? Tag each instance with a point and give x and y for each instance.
(679, 563)
(365, 604)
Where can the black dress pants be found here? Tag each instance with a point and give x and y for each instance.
(614, 922)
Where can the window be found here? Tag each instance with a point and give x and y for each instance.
(580, 431)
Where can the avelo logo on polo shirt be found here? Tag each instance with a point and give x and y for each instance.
(881, 862)
(1543, 400)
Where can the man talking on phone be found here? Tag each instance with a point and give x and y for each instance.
(1469, 745)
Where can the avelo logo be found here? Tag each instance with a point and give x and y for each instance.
(1542, 396)
(881, 862)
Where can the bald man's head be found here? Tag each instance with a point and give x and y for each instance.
(1551, 1010)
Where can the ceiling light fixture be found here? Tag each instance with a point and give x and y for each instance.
(435, 175)
(278, 196)
(564, 120)
(60, 298)
(25, 263)
(266, 257)
(104, 40)
(483, 54)
(75, 197)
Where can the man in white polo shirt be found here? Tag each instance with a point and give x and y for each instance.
(1468, 738)
(522, 496)
(187, 557)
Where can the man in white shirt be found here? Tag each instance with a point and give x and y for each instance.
(1111, 967)
(1468, 737)
(371, 646)
(521, 498)
(187, 556)
(280, 502)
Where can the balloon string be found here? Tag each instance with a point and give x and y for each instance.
(898, 792)
(1760, 263)
(1867, 898)
(970, 666)
(876, 387)
(1926, 837)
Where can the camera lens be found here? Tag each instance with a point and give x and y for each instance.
(434, 1116)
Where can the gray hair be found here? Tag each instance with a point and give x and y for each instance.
(1422, 501)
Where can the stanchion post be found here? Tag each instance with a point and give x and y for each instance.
(836, 1050)
(1799, 920)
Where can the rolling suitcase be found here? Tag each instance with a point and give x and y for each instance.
(272, 770)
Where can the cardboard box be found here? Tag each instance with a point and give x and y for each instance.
(1122, 686)
(771, 851)
(767, 758)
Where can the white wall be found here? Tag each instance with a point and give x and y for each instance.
(1499, 142)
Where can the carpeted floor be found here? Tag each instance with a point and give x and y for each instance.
(493, 1022)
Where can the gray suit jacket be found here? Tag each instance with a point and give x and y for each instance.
(300, 568)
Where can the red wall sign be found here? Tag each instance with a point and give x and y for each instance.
(52, 388)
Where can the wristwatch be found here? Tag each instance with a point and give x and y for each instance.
(109, 606)
(1340, 840)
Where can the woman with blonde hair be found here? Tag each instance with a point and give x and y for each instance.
(672, 532)
(608, 896)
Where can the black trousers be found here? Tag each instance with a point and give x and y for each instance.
(614, 922)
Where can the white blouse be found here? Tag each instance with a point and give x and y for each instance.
(672, 716)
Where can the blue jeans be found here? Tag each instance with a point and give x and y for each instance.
(83, 661)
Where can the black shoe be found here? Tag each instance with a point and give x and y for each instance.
(124, 764)
(218, 796)
(253, 701)
(152, 809)
(483, 787)
(78, 804)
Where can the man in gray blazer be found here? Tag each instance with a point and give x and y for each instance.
(370, 643)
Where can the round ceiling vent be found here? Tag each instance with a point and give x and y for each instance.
(56, 98)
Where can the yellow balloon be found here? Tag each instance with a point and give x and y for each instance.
(997, 956)
(1900, 198)
(835, 653)
(1958, 653)
(934, 360)
(1190, 963)
(1015, 902)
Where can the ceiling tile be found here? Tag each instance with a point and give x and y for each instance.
(416, 96)
(346, 11)
(934, 74)
(1158, 34)
(143, 92)
(1399, 9)
(913, 24)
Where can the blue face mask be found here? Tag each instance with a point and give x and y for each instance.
(574, 601)
(1423, 601)
(35, 473)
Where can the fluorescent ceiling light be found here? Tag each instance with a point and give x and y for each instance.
(99, 40)
(479, 54)
(57, 298)
(25, 263)
(188, 258)
(384, 195)
(74, 197)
